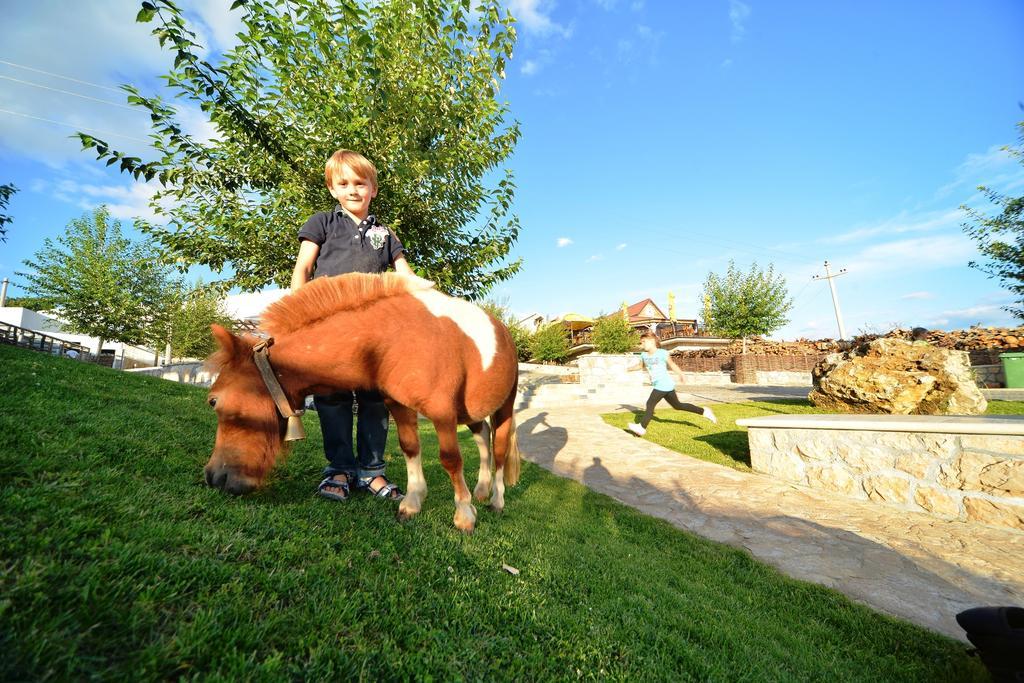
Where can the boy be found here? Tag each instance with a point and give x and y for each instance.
(348, 239)
(657, 362)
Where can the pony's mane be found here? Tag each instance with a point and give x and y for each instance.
(326, 296)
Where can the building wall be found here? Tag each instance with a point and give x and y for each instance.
(39, 322)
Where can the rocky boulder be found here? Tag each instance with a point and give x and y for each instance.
(897, 377)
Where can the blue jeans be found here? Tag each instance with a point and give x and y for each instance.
(335, 411)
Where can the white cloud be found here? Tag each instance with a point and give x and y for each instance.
(535, 16)
(726, 63)
(595, 257)
(620, 247)
(903, 223)
(196, 122)
(219, 22)
(125, 202)
(529, 67)
(563, 242)
(963, 317)
(100, 47)
(912, 255)
(739, 12)
(918, 295)
(993, 167)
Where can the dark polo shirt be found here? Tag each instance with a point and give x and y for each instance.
(349, 248)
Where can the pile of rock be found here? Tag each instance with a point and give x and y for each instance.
(1004, 338)
(897, 377)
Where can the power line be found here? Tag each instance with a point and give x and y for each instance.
(66, 78)
(68, 125)
(68, 92)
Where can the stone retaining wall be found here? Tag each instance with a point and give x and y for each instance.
(967, 477)
(187, 373)
(989, 375)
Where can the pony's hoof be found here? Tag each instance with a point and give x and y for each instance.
(496, 508)
(465, 518)
(410, 506)
(482, 490)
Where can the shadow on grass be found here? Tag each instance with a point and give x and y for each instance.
(732, 444)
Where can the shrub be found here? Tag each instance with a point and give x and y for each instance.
(522, 338)
(612, 334)
(550, 344)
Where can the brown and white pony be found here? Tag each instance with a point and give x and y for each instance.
(428, 353)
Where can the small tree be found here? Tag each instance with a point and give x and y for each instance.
(738, 305)
(612, 334)
(550, 344)
(1000, 238)
(189, 329)
(5, 197)
(101, 283)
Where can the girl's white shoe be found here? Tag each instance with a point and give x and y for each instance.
(636, 429)
(709, 414)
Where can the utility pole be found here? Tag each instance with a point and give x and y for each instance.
(829, 275)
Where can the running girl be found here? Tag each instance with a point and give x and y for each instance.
(658, 362)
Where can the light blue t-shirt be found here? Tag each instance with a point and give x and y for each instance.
(657, 364)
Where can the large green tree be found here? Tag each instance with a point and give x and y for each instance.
(5, 197)
(412, 84)
(741, 304)
(1000, 237)
(101, 283)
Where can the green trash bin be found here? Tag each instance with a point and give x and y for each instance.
(1013, 369)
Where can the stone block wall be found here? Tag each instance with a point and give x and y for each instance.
(976, 477)
(748, 366)
(599, 369)
(786, 378)
(187, 373)
(989, 375)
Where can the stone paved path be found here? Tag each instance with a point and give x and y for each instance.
(905, 564)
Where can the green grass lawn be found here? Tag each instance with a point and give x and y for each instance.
(118, 563)
(726, 443)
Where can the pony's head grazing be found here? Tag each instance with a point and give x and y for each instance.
(250, 432)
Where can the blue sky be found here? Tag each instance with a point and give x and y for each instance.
(660, 140)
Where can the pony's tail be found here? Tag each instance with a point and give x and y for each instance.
(513, 459)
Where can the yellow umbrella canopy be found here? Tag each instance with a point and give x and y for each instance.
(575, 321)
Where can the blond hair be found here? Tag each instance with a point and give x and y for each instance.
(354, 160)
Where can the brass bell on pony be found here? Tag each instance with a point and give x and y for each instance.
(295, 430)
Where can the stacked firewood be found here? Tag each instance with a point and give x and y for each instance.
(972, 339)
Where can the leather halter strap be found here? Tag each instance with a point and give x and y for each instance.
(261, 355)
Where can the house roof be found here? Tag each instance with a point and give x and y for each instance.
(637, 311)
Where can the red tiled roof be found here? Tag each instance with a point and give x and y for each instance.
(636, 309)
